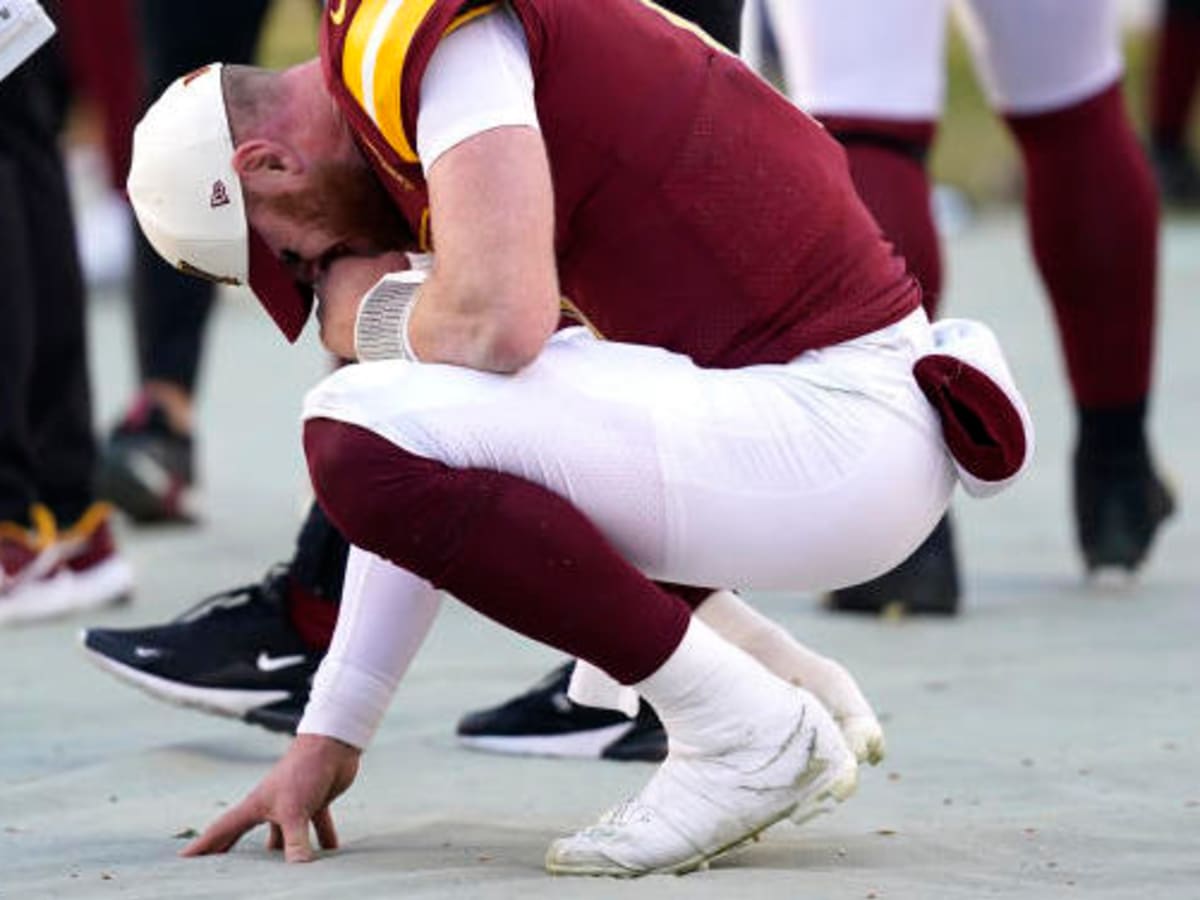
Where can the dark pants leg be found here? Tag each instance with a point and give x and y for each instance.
(47, 449)
(171, 309)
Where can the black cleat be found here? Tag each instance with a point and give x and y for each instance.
(1178, 175)
(146, 468)
(925, 584)
(544, 721)
(1120, 503)
(234, 654)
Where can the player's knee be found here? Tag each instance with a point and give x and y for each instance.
(346, 464)
(382, 498)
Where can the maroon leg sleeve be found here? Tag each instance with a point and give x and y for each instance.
(313, 617)
(887, 163)
(506, 547)
(1176, 73)
(1093, 213)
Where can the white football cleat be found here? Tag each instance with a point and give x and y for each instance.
(834, 686)
(791, 762)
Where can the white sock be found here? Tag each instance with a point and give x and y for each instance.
(710, 695)
(590, 686)
(783, 655)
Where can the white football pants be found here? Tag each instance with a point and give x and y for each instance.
(811, 475)
(886, 58)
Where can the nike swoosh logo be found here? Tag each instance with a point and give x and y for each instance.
(147, 652)
(268, 663)
(338, 15)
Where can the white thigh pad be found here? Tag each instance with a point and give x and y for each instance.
(870, 58)
(1036, 56)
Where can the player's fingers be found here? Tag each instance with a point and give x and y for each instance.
(297, 847)
(326, 832)
(222, 834)
(275, 837)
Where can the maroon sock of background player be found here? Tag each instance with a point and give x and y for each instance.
(1176, 73)
(506, 547)
(1093, 215)
(312, 615)
(887, 163)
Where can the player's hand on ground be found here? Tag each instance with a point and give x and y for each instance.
(297, 791)
(340, 289)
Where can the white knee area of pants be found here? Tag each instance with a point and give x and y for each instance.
(809, 475)
(886, 58)
(579, 421)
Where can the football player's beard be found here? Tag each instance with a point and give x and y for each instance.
(347, 200)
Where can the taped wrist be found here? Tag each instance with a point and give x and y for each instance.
(381, 326)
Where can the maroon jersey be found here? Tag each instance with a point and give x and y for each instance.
(695, 207)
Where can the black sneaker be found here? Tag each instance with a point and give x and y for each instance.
(146, 468)
(233, 654)
(544, 721)
(924, 584)
(1178, 175)
(1120, 503)
(283, 716)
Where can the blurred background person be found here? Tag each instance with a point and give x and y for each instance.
(873, 71)
(210, 657)
(1173, 83)
(56, 545)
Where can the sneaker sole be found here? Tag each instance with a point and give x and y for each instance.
(229, 703)
(109, 584)
(589, 744)
(829, 784)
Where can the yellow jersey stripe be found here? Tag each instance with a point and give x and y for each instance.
(357, 36)
(388, 68)
(377, 46)
(468, 16)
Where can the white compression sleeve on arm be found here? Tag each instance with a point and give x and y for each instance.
(385, 614)
(478, 78)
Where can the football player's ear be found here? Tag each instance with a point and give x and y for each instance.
(266, 166)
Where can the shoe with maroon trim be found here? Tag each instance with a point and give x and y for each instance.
(48, 574)
(99, 575)
(28, 567)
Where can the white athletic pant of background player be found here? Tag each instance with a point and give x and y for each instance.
(886, 58)
(811, 475)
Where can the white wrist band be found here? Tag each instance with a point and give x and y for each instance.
(381, 326)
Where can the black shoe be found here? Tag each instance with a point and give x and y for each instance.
(544, 721)
(233, 654)
(283, 716)
(924, 584)
(146, 468)
(1120, 503)
(1177, 174)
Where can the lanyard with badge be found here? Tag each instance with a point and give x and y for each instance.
(24, 26)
